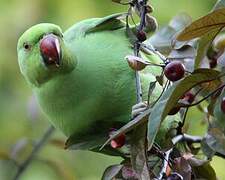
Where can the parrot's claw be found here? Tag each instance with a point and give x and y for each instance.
(138, 109)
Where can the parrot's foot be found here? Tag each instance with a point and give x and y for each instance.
(138, 109)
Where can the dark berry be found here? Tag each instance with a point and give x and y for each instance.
(119, 141)
(211, 53)
(222, 105)
(141, 35)
(212, 63)
(189, 97)
(174, 110)
(174, 71)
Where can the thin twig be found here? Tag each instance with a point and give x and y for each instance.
(164, 88)
(139, 141)
(186, 138)
(140, 119)
(220, 155)
(175, 140)
(37, 147)
(150, 49)
(206, 97)
(137, 77)
(184, 117)
(165, 164)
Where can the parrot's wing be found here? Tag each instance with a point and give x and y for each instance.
(111, 22)
(94, 138)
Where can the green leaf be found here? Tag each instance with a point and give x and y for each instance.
(91, 142)
(204, 25)
(162, 39)
(171, 97)
(203, 45)
(206, 149)
(111, 172)
(182, 167)
(128, 173)
(130, 32)
(186, 51)
(140, 119)
(205, 172)
(218, 113)
(139, 158)
(216, 140)
(193, 161)
(219, 4)
(151, 88)
(180, 21)
(86, 144)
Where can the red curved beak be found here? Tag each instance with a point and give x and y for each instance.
(50, 50)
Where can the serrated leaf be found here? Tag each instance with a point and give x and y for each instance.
(111, 172)
(202, 26)
(171, 97)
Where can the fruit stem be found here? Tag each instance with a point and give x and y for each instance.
(206, 97)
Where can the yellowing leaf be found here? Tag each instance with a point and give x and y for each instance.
(200, 27)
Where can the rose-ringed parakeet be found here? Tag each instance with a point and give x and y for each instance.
(80, 77)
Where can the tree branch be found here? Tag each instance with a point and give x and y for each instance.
(37, 147)
(165, 164)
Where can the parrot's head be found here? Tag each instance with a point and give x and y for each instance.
(43, 54)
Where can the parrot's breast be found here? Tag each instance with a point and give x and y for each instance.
(100, 88)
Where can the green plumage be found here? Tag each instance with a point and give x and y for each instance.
(93, 89)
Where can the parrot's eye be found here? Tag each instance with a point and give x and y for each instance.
(27, 46)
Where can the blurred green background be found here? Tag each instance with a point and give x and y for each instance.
(21, 121)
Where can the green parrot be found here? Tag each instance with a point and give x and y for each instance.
(81, 78)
